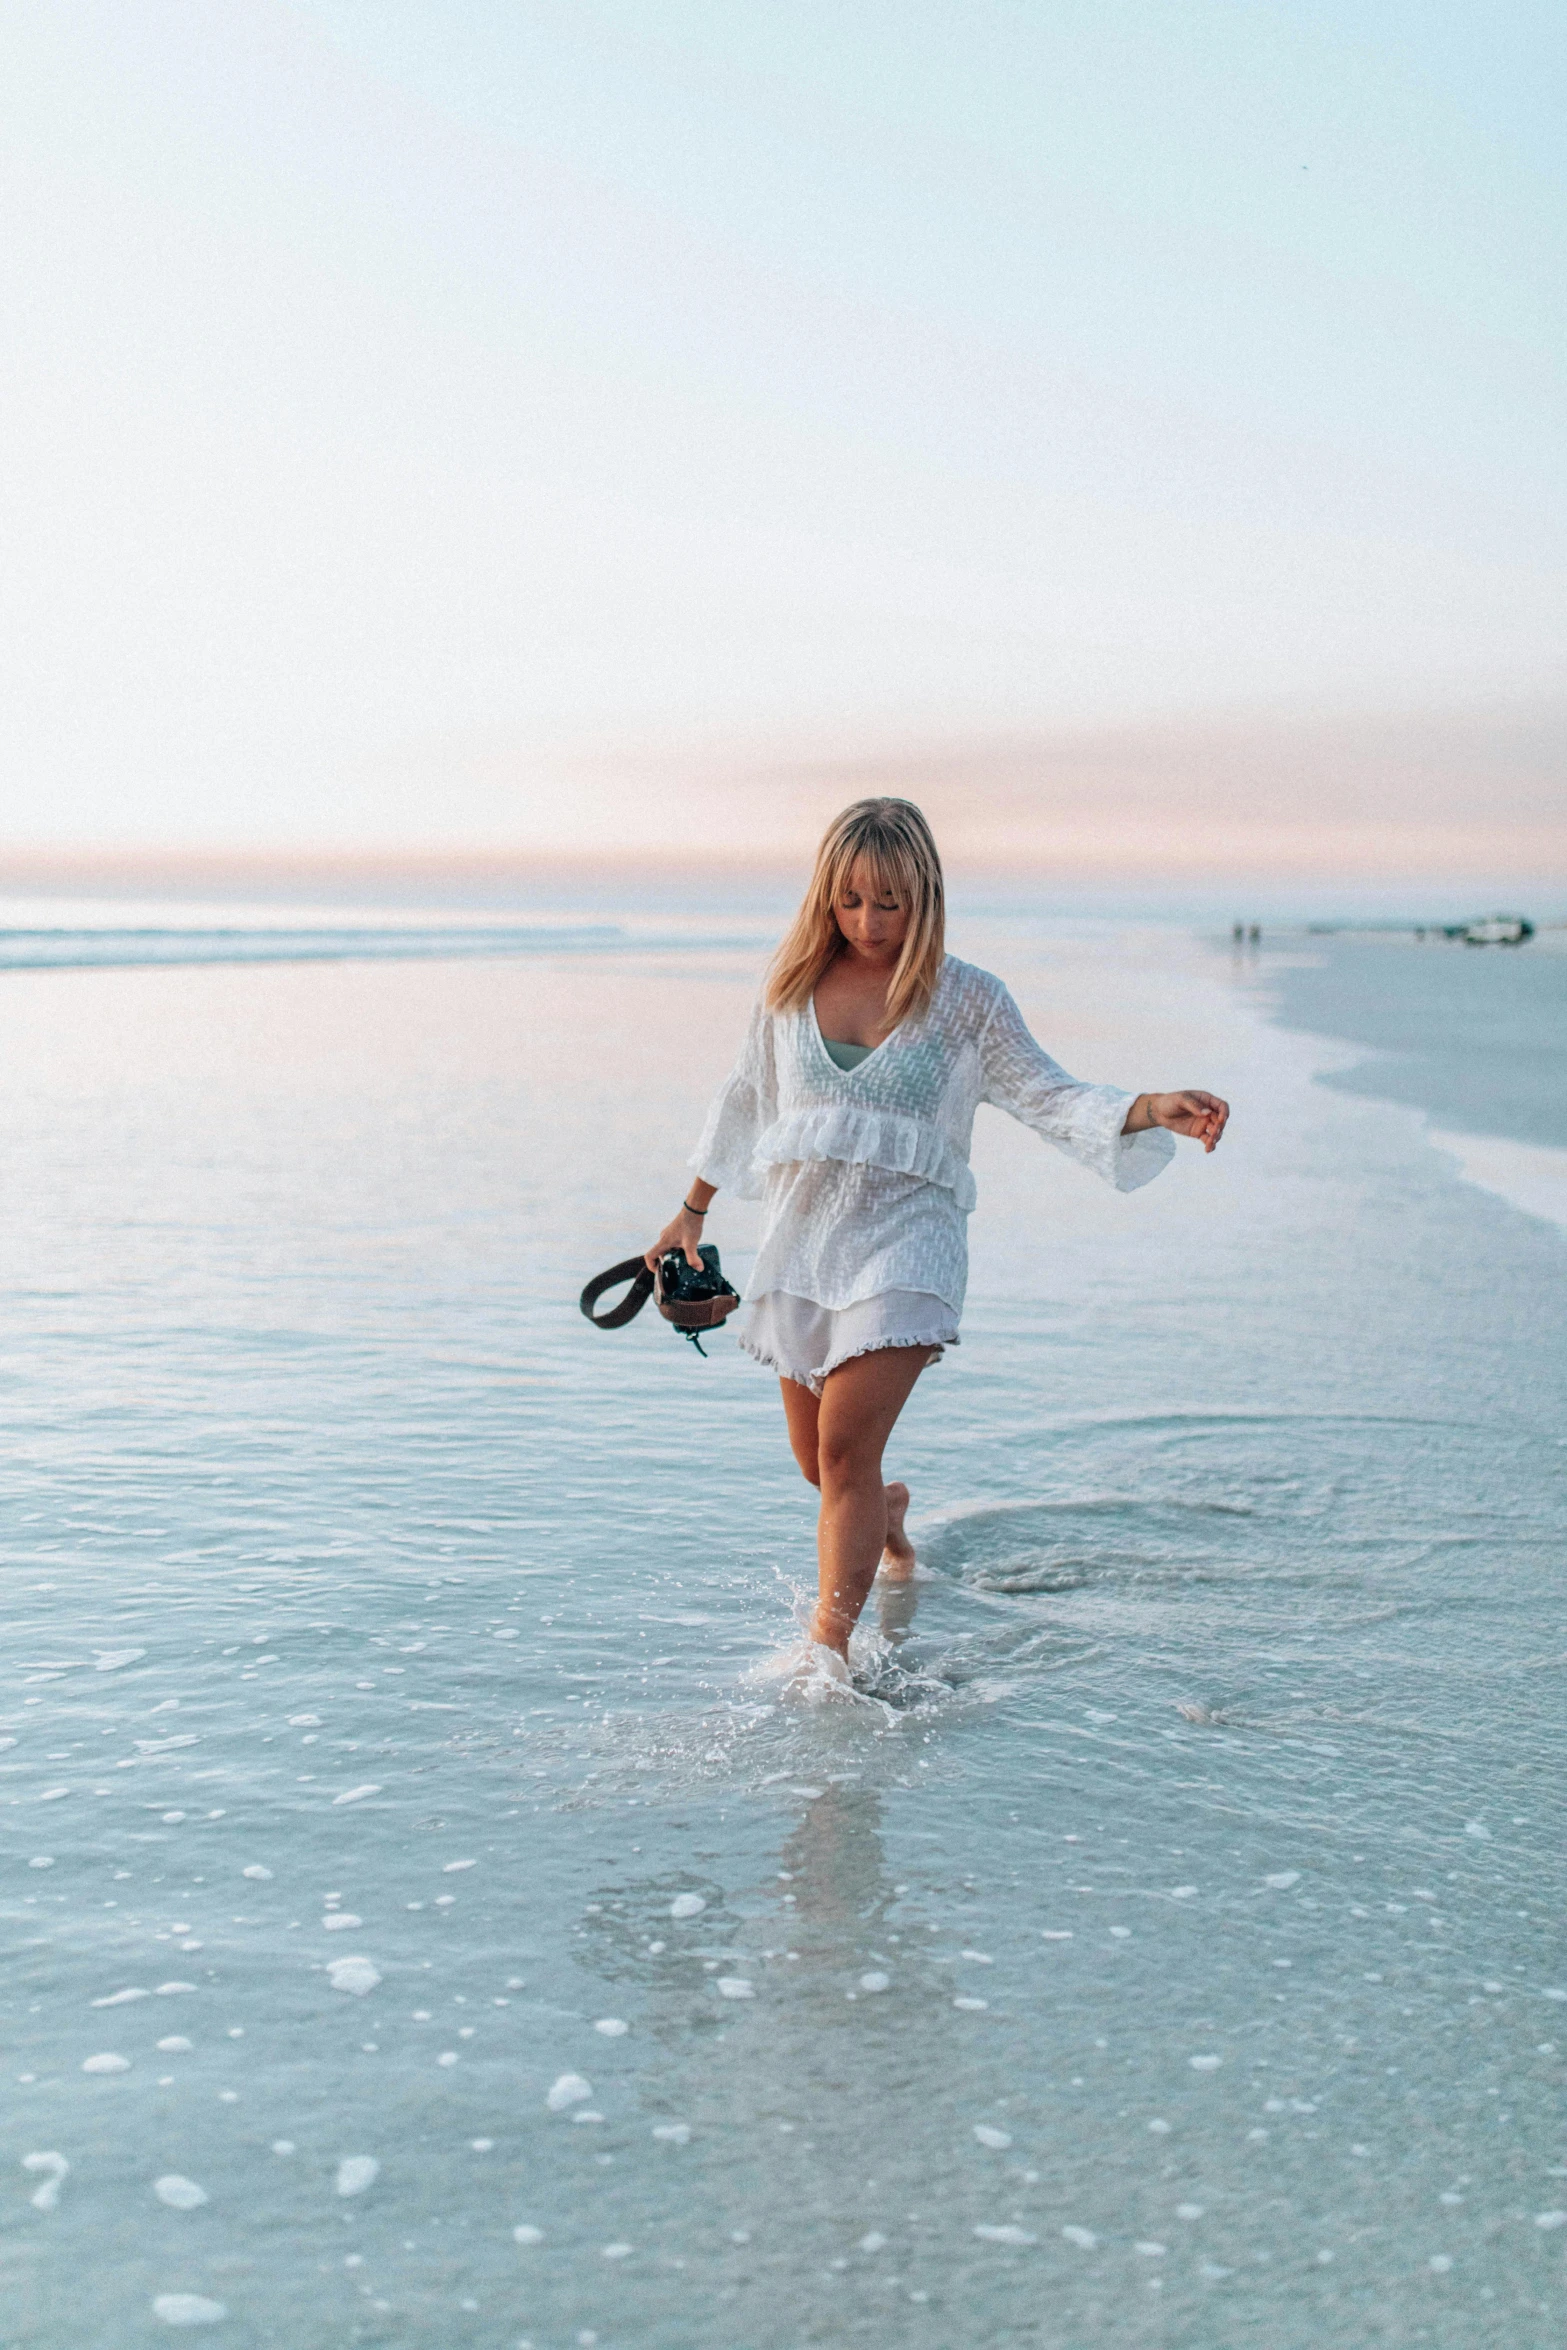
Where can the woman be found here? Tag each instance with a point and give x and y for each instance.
(849, 1112)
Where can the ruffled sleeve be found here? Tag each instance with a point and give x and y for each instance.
(1085, 1121)
(743, 1108)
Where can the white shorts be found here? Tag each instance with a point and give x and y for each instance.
(803, 1341)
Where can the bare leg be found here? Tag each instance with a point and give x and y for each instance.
(802, 1411)
(859, 1408)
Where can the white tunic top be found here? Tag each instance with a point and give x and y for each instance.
(865, 1171)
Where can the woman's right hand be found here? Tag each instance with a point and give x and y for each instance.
(683, 1232)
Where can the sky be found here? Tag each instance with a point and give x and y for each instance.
(623, 424)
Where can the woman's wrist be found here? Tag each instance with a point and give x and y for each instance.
(692, 1211)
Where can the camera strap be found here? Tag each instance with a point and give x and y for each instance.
(636, 1297)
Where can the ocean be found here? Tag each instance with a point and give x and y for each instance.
(1162, 1948)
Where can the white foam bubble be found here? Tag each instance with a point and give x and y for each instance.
(1439, 2263)
(989, 2135)
(618, 2251)
(875, 1981)
(612, 2027)
(1282, 1880)
(571, 2089)
(1151, 2251)
(356, 2172)
(188, 2309)
(673, 2133)
(340, 1921)
(1550, 2219)
(282, 2145)
(304, 1721)
(970, 2006)
(1005, 2234)
(735, 1987)
(1183, 1892)
(355, 1974)
(110, 1660)
(122, 1998)
(179, 2194)
(175, 2045)
(1205, 2064)
(356, 1794)
(449, 1868)
(167, 1990)
(1083, 2238)
(1160, 2129)
(46, 2197)
(256, 1871)
(44, 1860)
(875, 2241)
(687, 1905)
(107, 2063)
(527, 2235)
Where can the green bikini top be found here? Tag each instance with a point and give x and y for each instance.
(846, 1056)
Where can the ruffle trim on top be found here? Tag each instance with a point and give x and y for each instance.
(868, 1138)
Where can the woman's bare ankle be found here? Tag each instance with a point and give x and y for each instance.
(897, 1559)
(826, 1631)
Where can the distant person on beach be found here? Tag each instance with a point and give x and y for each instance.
(850, 1112)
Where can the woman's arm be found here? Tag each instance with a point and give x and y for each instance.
(1201, 1115)
(685, 1230)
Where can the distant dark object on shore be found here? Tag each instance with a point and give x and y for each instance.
(1486, 930)
(1490, 930)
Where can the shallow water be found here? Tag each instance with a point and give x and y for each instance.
(1163, 1947)
(1475, 1037)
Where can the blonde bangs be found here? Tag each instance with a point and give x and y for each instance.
(896, 842)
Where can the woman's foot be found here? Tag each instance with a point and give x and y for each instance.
(897, 1560)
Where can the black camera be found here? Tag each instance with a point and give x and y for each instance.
(693, 1297)
(683, 1284)
(694, 1300)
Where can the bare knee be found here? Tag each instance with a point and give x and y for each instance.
(803, 1445)
(844, 1459)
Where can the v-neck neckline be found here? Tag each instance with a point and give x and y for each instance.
(821, 1041)
(821, 1044)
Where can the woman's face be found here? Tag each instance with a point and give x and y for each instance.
(874, 922)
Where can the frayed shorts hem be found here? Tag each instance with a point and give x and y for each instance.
(805, 1342)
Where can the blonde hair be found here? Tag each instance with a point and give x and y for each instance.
(895, 841)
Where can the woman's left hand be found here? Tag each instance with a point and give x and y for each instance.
(1201, 1115)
